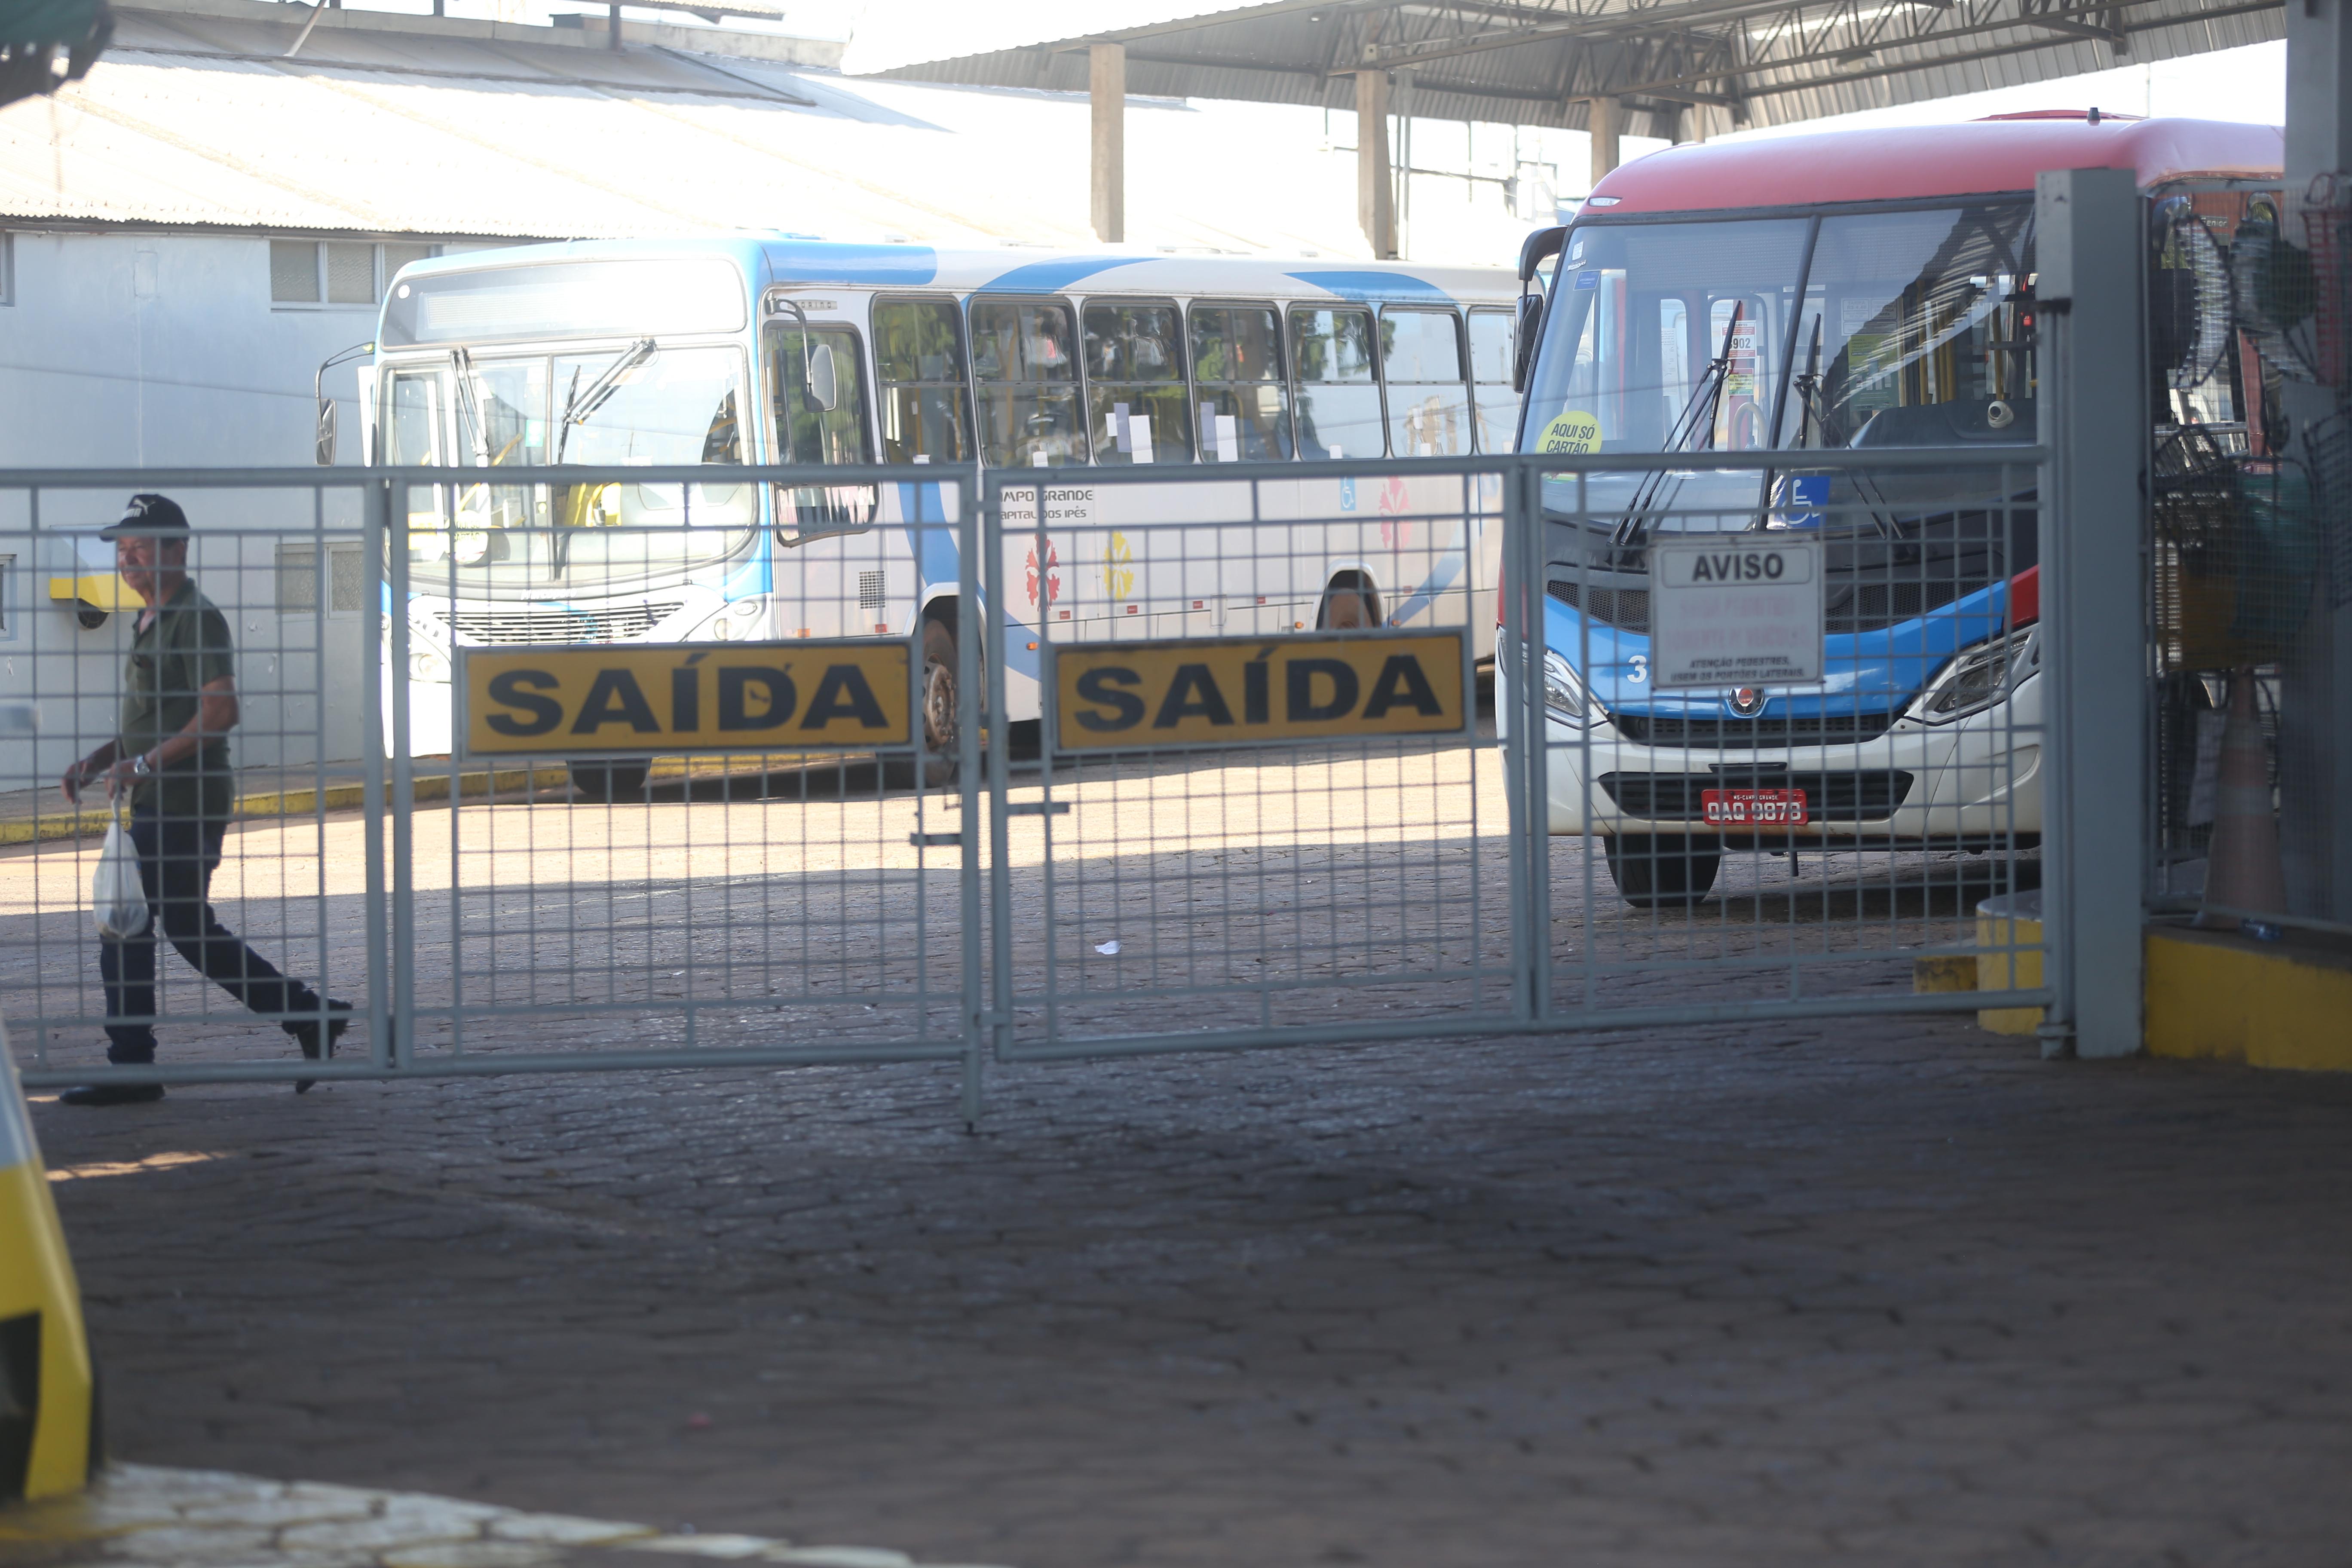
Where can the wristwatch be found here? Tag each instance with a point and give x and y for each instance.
(140, 770)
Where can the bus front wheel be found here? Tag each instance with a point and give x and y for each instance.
(608, 781)
(1662, 870)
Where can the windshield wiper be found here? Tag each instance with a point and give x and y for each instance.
(1812, 420)
(581, 405)
(1695, 420)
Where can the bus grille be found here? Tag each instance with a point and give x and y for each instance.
(545, 625)
(1733, 734)
(1865, 795)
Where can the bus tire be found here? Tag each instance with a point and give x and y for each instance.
(942, 696)
(1662, 870)
(608, 781)
(1348, 606)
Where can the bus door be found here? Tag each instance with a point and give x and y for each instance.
(1242, 393)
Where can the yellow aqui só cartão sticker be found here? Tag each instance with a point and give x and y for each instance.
(1574, 434)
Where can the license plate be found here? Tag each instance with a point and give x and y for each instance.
(1753, 807)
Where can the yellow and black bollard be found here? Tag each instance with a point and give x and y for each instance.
(48, 1405)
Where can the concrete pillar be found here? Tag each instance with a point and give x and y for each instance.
(1604, 117)
(1107, 76)
(1375, 193)
(2094, 412)
(2315, 688)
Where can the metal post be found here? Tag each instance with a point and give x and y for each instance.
(1375, 197)
(1106, 80)
(2315, 677)
(375, 533)
(2094, 622)
(976, 525)
(404, 783)
(612, 27)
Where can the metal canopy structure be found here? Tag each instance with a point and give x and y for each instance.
(1525, 62)
(1677, 70)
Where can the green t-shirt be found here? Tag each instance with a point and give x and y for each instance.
(183, 649)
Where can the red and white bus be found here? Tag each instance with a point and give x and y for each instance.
(1854, 289)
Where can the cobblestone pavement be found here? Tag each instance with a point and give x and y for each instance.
(1868, 1293)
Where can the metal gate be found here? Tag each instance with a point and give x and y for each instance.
(1272, 794)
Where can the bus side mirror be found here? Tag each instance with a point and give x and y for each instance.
(326, 432)
(1523, 348)
(824, 379)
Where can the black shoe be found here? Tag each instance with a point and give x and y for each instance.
(306, 1035)
(113, 1094)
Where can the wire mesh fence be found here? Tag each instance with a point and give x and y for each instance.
(1264, 805)
(661, 766)
(1794, 740)
(175, 688)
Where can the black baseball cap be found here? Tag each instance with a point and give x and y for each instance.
(153, 515)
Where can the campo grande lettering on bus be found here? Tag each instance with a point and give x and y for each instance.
(672, 699)
(1129, 696)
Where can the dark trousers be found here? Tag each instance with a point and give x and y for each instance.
(177, 856)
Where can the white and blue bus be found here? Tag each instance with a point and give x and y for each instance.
(741, 351)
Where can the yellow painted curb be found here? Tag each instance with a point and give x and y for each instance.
(351, 797)
(1954, 969)
(41, 1335)
(2217, 995)
(2013, 919)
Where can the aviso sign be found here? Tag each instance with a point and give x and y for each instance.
(1735, 610)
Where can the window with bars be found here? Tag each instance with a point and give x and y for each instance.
(332, 272)
(297, 579)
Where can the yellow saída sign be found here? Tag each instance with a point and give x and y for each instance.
(1226, 692)
(698, 696)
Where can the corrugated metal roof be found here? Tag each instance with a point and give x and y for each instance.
(196, 117)
(1750, 62)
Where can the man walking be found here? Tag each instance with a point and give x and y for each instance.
(178, 703)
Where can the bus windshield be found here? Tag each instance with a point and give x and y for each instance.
(1894, 329)
(639, 404)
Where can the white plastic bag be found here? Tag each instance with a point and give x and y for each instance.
(117, 899)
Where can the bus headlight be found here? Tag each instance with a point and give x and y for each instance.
(1976, 678)
(737, 622)
(1564, 697)
(426, 663)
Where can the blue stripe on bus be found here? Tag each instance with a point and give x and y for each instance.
(1371, 286)
(1045, 277)
(1867, 672)
(883, 266)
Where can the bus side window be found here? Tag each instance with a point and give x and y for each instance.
(926, 408)
(1025, 360)
(1134, 384)
(1429, 403)
(1237, 378)
(809, 432)
(1339, 395)
(1497, 408)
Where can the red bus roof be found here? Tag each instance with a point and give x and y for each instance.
(1979, 158)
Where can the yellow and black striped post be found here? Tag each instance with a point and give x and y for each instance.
(49, 1417)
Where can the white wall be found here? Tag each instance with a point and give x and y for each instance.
(125, 351)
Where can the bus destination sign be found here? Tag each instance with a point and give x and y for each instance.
(604, 700)
(1735, 610)
(1229, 691)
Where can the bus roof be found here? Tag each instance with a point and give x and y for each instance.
(1980, 158)
(770, 261)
